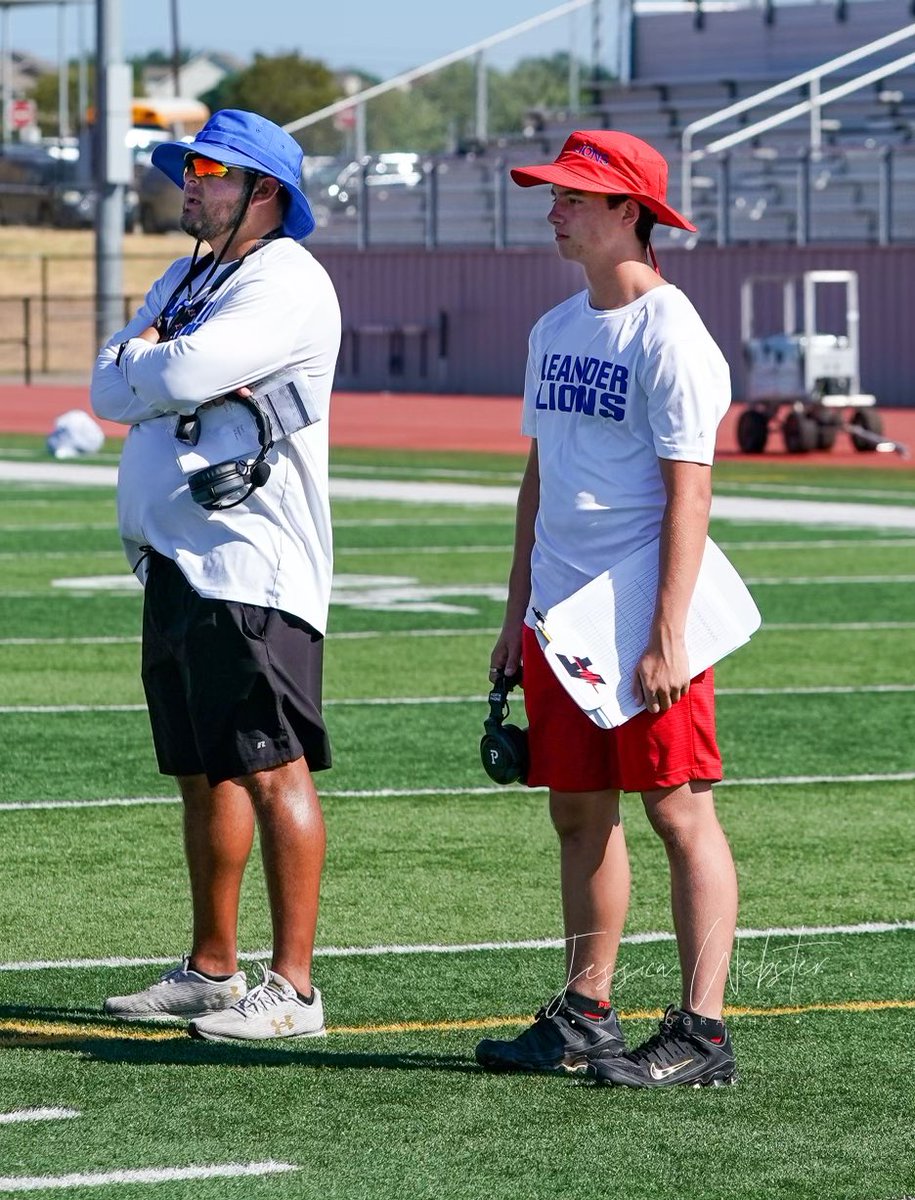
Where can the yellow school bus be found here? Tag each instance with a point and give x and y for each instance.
(174, 114)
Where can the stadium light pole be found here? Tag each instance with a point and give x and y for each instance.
(112, 167)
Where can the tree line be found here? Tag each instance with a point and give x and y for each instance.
(433, 115)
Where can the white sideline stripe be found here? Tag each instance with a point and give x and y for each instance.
(39, 1183)
(808, 580)
(38, 1114)
(735, 508)
(368, 634)
(416, 793)
(384, 701)
(396, 950)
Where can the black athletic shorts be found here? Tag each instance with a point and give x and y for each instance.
(231, 688)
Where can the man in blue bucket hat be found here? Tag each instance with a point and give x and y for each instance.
(250, 143)
(224, 378)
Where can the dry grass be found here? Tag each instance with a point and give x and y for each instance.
(55, 268)
(61, 262)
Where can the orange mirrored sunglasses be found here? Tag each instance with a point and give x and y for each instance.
(204, 166)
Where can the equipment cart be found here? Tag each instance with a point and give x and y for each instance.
(813, 374)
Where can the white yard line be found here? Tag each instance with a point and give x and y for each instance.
(82, 1179)
(456, 790)
(821, 544)
(81, 555)
(58, 527)
(649, 937)
(416, 701)
(368, 634)
(809, 580)
(381, 551)
(25, 1115)
(70, 641)
(814, 513)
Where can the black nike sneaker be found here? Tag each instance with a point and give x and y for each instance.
(564, 1037)
(687, 1050)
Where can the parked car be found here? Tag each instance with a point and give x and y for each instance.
(336, 188)
(41, 187)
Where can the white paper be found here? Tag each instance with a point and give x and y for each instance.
(594, 639)
(227, 431)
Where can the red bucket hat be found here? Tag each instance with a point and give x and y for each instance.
(602, 160)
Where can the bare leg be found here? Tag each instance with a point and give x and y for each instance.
(293, 840)
(594, 870)
(703, 890)
(218, 835)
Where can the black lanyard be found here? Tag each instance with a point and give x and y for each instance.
(177, 314)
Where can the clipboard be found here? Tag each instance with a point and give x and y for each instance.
(594, 639)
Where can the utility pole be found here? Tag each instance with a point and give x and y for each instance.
(6, 69)
(176, 50)
(596, 89)
(113, 167)
(63, 76)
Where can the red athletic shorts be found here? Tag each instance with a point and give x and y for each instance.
(569, 753)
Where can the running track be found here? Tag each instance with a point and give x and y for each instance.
(435, 422)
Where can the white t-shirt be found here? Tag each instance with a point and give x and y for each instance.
(608, 393)
(278, 310)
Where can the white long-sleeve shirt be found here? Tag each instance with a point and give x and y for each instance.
(278, 310)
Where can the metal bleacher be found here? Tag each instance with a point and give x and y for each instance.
(853, 182)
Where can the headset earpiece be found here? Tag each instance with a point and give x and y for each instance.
(229, 483)
(260, 473)
(503, 748)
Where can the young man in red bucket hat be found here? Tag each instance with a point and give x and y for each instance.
(623, 395)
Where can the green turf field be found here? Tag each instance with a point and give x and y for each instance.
(440, 914)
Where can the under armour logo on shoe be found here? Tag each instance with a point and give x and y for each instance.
(286, 1023)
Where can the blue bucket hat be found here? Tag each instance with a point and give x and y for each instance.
(243, 139)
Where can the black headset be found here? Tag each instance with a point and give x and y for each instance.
(229, 483)
(503, 748)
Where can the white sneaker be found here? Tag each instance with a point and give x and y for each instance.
(272, 1009)
(180, 994)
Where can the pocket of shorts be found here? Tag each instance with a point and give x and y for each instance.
(254, 621)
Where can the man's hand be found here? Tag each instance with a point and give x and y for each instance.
(662, 676)
(150, 334)
(506, 654)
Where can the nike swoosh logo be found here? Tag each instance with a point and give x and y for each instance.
(663, 1072)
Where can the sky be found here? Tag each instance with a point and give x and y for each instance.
(381, 38)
